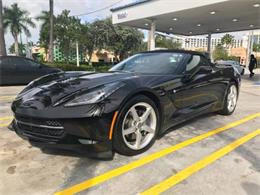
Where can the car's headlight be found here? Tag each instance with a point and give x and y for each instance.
(94, 96)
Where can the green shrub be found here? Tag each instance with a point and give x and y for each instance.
(84, 67)
(234, 58)
(220, 53)
(258, 61)
(96, 64)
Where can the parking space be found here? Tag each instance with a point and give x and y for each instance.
(211, 154)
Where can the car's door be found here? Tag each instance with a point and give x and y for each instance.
(201, 87)
(39, 70)
(8, 71)
(24, 71)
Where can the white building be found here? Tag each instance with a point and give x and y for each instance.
(195, 42)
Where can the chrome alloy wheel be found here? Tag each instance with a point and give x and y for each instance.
(232, 98)
(139, 126)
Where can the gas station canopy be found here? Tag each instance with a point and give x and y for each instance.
(190, 17)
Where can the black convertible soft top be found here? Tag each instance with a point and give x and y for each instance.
(205, 54)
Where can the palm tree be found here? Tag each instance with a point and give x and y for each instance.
(51, 32)
(227, 40)
(44, 39)
(44, 17)
(17, 20)
(22, 48)
(2, 38)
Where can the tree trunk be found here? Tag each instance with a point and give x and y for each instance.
(2, 38)
(50, 59)
(90, 53)
(16, 45)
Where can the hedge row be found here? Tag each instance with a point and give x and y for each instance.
(72, 67)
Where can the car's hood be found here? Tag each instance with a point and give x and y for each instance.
(54, 87)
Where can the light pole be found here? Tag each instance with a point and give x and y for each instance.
(77, 51)
(50, 57)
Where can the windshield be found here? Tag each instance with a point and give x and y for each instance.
(151, 63)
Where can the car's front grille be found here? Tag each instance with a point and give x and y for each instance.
(40, 128)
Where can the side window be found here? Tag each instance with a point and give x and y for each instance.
(20, 64)
(195, 62)
(204, 61)
(33, 64)
(5, 63)
(1, 64)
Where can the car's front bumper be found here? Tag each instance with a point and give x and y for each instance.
(87, 135)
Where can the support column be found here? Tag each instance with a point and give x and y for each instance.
(148, 41)
(151, 40)
(209, 45)
(249, 46)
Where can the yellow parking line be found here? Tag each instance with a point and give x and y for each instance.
(185, 173)
(6, 118)
(4, 125)
(7, 97)
(147, 159)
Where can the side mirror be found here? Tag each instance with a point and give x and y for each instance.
(205, 69)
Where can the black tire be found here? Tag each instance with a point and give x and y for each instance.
(225, 110)
(119, 144)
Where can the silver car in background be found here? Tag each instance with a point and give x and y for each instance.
(240, 68)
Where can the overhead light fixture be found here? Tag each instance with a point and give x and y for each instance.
(251, 25)
(217, 29)
(175, 19)
(235, 20)
(256, 5)
(146, 24)
(212, 13)
(170, 28)
(198, 24)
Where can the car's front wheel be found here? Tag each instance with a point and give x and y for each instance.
(137, 126)
(230, 101)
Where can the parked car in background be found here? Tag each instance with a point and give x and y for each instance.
(240, 68)
(16, 70)
(127, 108)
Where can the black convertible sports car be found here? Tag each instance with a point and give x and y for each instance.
(127, 108)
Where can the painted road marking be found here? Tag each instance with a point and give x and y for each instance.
(6, 118)
(7, 97)
(185, 173)
(147, 159)
(4, 125)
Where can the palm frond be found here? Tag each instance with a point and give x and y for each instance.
(17, 20)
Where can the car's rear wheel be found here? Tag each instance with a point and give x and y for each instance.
(230, 101)
(137, 126)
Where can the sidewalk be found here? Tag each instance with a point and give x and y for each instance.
(255, 80)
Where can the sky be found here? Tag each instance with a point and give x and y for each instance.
(34, 7)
